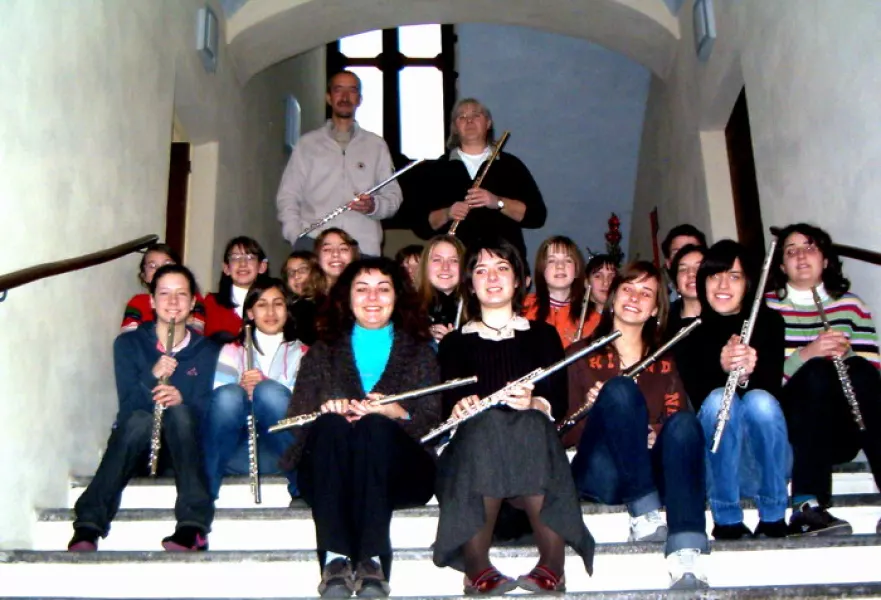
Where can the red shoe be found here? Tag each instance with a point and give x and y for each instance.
(542, 580)
(186, 539)
(489, 583)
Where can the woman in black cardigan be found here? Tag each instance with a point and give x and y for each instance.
(505, 471)
(754, 455)
(359, 461)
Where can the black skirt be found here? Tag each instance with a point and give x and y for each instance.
(503, 453)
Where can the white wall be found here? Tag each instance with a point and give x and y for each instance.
(89, 90)
(812, 70)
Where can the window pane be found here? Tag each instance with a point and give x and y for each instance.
(419, 41)
(369, 115)
(363, 45)
(422, 112)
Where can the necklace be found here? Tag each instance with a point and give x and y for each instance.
(498, 330)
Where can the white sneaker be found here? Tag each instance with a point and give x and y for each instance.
(685, 571)
(649, 527)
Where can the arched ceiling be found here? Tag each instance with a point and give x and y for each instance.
(261, 33)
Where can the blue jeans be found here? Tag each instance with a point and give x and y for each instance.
(754, 457)
(226, 433)
(614, 464)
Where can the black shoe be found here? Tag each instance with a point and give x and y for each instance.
(731, 532)
(771, 529)
(85, 539)
(337, 580)
(816, 520)
(370, 581)
(186, 539)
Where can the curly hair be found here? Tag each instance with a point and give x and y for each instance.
(315, 279)
(835, 282)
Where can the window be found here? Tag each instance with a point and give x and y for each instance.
(408, 85)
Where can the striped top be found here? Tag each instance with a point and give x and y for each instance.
(847, 314)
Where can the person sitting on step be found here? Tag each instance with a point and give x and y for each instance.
(360, 460)
(438, 283)
(687, 307)
(684, 234)
(754, 456)
(560, 289)
(409, 258)
(600, 272)
(267, 386)
(335, 249)
(642, 445)
(138, 310)
(822, 427)
(243, 261)
(140, 364)
(504, 473)
(305, 282)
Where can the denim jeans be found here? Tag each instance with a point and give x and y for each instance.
(126, 456)
(614, 465)
(226, 433)
(754, 457)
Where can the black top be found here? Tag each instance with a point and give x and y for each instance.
(675, 320)
(496, 363)
(446, 182)
(304, 311)
(445, 309)
(697, 356)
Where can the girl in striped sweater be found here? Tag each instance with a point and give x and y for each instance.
(821, 426)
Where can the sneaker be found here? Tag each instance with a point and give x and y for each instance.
(370, 582)
(771, 529)
(816, 520)
(489, 583)
(186, 539)
(85, 539)
(878, 528)
(731, 532)
(649, 527)
(685, 572)
(542, 580)
(337, 580)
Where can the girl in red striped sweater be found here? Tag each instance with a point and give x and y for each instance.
(243, 260)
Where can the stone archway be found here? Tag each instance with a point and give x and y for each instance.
(264, 32)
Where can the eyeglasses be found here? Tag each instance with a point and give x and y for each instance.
(299, 271)
(807, 249)
(238, 258)
(469, 117)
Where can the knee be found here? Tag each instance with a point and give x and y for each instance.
(180, 418)
(136, 426)
(711, 405)
(860, 368)
(761, 407)
(228, 404)
(621, 393)
(374, 424)
(683, 429)
(329, 425)
(271, 397)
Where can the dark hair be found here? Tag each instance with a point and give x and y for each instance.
(347, 239)
(262, 284)
(597, 262)
(503, 249)
(316, 278)
(338, 319)
(835, 282)
(677, 258)
(428, 296)
(224, 287)
(408, 252)
(576, 291)
(175, 269)
(343, 72)
(653, 329)
(683, 229)
(718, 258)
(156, 247)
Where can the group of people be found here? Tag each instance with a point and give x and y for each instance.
(341, 331)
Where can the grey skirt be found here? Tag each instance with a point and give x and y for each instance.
(503, 453)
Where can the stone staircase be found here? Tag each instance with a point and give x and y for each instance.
(267, 551)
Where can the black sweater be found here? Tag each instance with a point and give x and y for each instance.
(445, 309)
(697, 356)
(446, 182)
(496, 363)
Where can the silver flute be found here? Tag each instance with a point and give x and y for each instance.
(158, 409)
(736, 376)
(633, 373)
(498, 397)
(348, 206)
(459, 310)
(841, 368)
(440, 387)
(585, 304)
(253, 465)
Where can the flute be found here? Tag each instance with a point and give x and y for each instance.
(746, 332)
(440, 387)
(841, 368)
(531, 377)
(253, 465)
(585, 304)
(459, 311)
(633, 373)
(158, 409)
(479, 181)
(348, 206)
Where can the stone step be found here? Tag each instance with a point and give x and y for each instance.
(142, 492)
(293, 573)
(293, 529)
